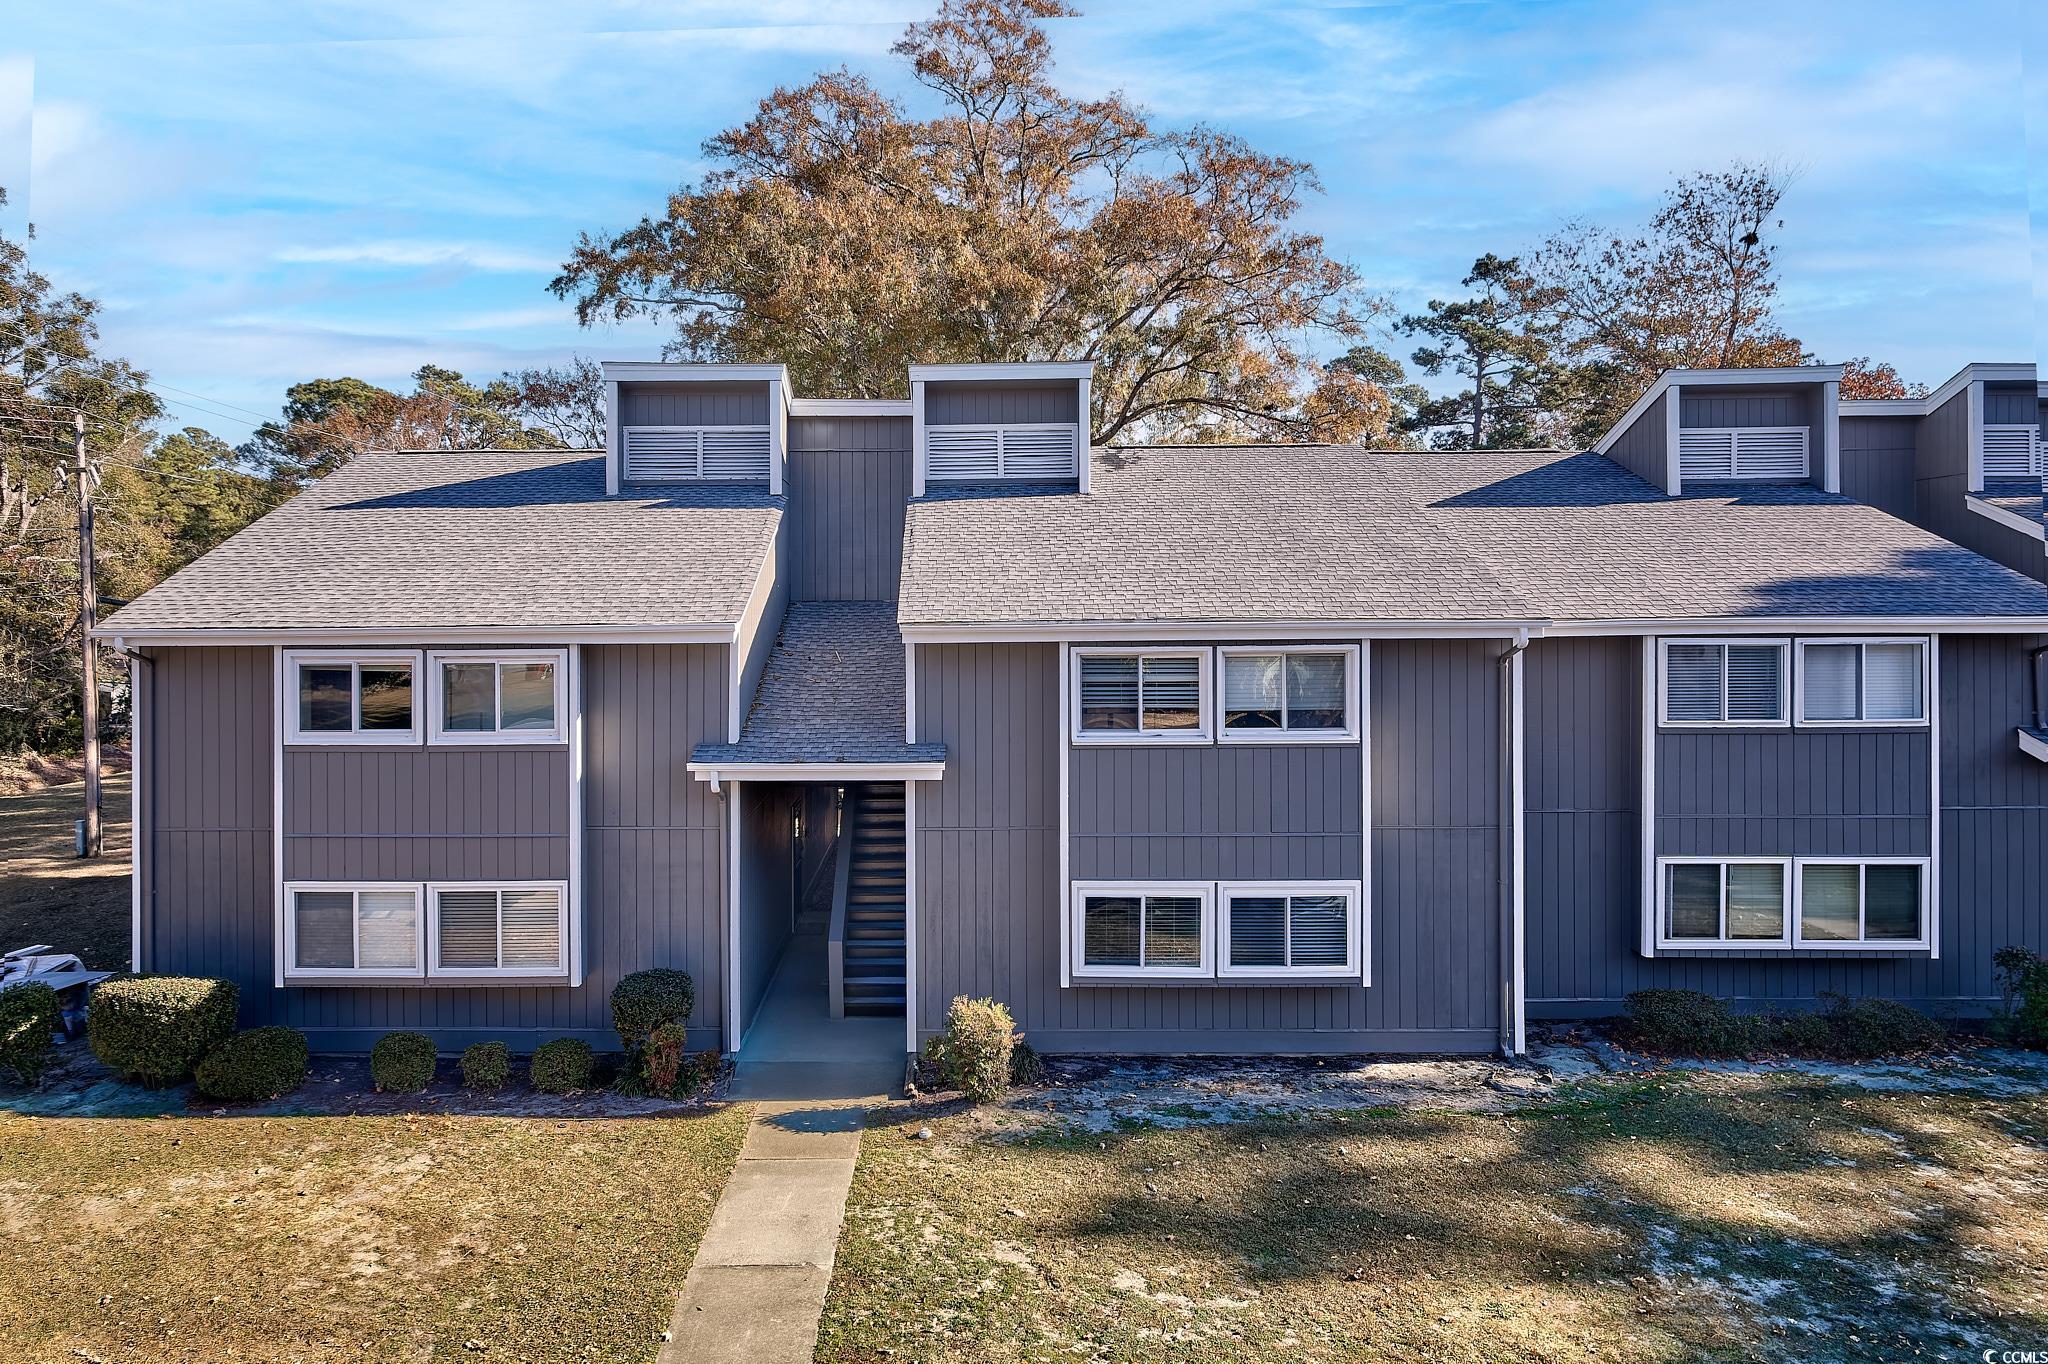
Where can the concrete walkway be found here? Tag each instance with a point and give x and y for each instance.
(757, 1288)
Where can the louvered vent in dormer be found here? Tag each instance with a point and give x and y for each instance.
(1749, 453)
(1037, 452)
(2014, 451)
(666, 454)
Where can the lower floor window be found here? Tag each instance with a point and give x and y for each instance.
(451, 929)
(1792, 902)
(1226, 929)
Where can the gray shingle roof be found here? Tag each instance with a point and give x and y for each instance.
(1211, 533)
(476, 538)
(2021, 497)
(832, 690)
(1333, 533)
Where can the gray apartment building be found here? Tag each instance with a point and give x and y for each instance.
(1211, 749)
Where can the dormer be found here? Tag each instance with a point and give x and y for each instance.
(675, 423)
(1983, 425)
(1698, 428)
(999, 425)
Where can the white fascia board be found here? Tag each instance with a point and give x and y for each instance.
(849, 407)
(1805, 625)
(1692, 378)
(2033, 745)
(1992, 512)
(1141, 631)
(1977, 371)
(720, 632)
(654, 371)
(1028, 369)
(1883, 407)
(717, 772)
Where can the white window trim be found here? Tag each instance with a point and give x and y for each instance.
(432, 919)
(436, 701)
(1923, 943)
(355, 661)
(1205, 683)
(1785, 684)
(1723, 943)
(1205, 891)
(290, 933)
(1354, 929)
(1863, 677)
(1348, 734)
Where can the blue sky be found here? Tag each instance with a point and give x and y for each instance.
(265, 193)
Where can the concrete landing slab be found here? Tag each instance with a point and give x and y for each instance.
(797, 1081)
(748, 1314)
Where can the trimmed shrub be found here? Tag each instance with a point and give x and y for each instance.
(261, 1063)
(667, 1057)
(562, 1066)
(2023, 995)
(486, 1066)
(980, 1040)
(402, 1062)
(29, 1018)
(155, 1029)
(646, 1000)
(1686, 1023)
(1865, 1029)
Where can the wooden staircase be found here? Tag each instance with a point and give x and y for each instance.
(867, 934)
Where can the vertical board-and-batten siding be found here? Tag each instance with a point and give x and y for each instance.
(849, 483)
(1584, 784)
(990, 902)
(1941, 476)
(426, 814)
(1877, 462)
(653, 847)
(694, 404)
(1642, 449)
(1807, 792)
(984, 404)
(2011, 405)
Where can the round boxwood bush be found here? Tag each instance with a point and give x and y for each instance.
(646, 1000)
(562, 1066)
(402, 1062)
(261, 1063)
(155, 1029)
(486, 1066)
(29, 1018)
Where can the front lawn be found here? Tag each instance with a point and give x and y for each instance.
(1706, 1217)
(365, 1238)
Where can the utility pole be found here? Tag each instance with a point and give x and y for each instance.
(88, 617)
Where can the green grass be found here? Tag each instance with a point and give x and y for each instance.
(1682, 1220)
(47, 895)
(351, 1238)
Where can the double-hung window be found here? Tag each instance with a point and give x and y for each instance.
(497, 698)
(1124, 929)
(337, 930)
(1862, 682)
(1141, 696)
(1290, 695)
(1724, 682)
(513, 929)
(1708, 902)
(1299, 929)
(1851, 902)
(333, 698)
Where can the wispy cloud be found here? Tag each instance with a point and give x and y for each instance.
(404, 254)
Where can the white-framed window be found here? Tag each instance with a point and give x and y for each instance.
(1141, 696)
(1862, 682)
(335, 930)
(332, 697)
(1724, 902)
(1861, 902)
(478, 697)
(1129, 928)
(1301, 694)
(1719, 454)
(498, 928)
(1299, 928)
(1722, 683)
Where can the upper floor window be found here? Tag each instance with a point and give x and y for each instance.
(1725, 682)
(1141, 696)
(1271, 695)
(497, 698)
(1863, 682)
(341, 699)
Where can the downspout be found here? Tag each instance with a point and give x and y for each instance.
(1510, 856)
(2034, 678)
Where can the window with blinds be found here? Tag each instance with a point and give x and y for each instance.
(671, 454)
(1122, 696)
(2014, 451)
(1036, 452)
(342, 930)
(1276, 695)
(1206, 930)
(1862, 904)
(1724, 682)
(1707, 903)
(511, 930)
(1289, 930)
(1742, 453)
(1151, 930)
(1863, 682)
